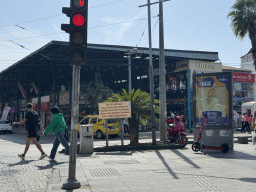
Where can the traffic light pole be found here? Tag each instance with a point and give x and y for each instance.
(71, 182)
(78, 13)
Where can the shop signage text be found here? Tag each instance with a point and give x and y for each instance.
(243, 77)
(205, 66)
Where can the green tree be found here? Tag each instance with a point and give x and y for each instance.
(140, 110)
(243, 18)
(94, 93)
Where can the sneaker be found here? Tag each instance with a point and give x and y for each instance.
(21, 156)
(42, 156)
(50, 159)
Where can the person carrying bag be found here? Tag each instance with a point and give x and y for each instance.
(58, 126)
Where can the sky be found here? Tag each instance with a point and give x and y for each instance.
(200, 25)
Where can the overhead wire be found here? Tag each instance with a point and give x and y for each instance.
(60, 14)
(88, 28)
(144, 28)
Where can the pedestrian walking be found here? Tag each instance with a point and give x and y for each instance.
(247, 126)
(250, 123)
(58, 126)
(33, 126)
(243, 123)
(126, 128)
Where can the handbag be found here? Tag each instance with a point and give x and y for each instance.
(67, 133)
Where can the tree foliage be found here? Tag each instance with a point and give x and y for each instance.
(243, 16)
(140, 110)
(94, 93)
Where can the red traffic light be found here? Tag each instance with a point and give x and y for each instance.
(78, 20)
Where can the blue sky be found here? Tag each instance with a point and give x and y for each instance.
(200, 25)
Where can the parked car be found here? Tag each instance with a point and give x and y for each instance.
(98, 126)
(5, 126)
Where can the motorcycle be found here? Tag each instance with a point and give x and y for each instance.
(176, 131)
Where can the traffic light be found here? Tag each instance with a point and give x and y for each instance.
(78, 13)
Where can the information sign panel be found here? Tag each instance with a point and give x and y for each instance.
(110, 110)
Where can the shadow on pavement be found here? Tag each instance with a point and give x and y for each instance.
(230, 155)
(128, 153)
(246, 179)
(22, 162)
(185, 158)
(49, 166)
(165, 164)
(20, 138)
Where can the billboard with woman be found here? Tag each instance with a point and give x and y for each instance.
(213, 96)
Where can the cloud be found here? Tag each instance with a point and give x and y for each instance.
(116, 34)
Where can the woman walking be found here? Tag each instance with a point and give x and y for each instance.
(58, 126)
(243, 123)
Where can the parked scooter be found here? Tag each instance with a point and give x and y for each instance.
(199, 145)
(176, 131)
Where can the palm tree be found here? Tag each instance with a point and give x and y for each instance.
(243, 18)
(140, 110)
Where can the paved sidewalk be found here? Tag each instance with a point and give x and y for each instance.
(179, 170)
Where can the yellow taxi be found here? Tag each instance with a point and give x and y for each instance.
(98, 126)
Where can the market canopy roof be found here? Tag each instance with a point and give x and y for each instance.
(50, 66)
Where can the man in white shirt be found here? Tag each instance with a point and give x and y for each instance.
(126, 128)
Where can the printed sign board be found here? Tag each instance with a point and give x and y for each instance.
(110, 110)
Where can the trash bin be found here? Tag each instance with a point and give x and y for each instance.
(86, 138)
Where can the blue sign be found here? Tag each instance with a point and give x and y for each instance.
(12, 110)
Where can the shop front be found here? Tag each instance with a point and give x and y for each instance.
(180, 83)
(243, 89)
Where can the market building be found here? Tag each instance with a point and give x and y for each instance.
(44, 77)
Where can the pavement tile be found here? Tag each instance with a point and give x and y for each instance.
(179, 170)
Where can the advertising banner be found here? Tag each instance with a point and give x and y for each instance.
(5, 113)
(64, 98)
(212, 98)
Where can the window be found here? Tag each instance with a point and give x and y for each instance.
(93, 120)
(85, 121)
(111, 120)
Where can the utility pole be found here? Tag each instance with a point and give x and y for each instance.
(162, 83)
(129, 53)
(151, 75)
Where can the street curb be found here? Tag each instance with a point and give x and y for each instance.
(133, 148)
(141, 146)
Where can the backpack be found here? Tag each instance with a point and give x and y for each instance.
(36, 123)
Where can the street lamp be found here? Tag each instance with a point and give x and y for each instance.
(134, 51)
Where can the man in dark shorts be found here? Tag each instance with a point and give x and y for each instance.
(32, 131)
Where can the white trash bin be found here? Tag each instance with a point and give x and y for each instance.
(86, 138)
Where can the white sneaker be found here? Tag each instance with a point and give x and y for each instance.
(42, 156)
(21, 156)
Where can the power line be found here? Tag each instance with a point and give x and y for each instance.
(105, 4)
(144, 29)
(33, 20)
(31, 31)
(88, 28)
(59, 14)
(119, 23)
